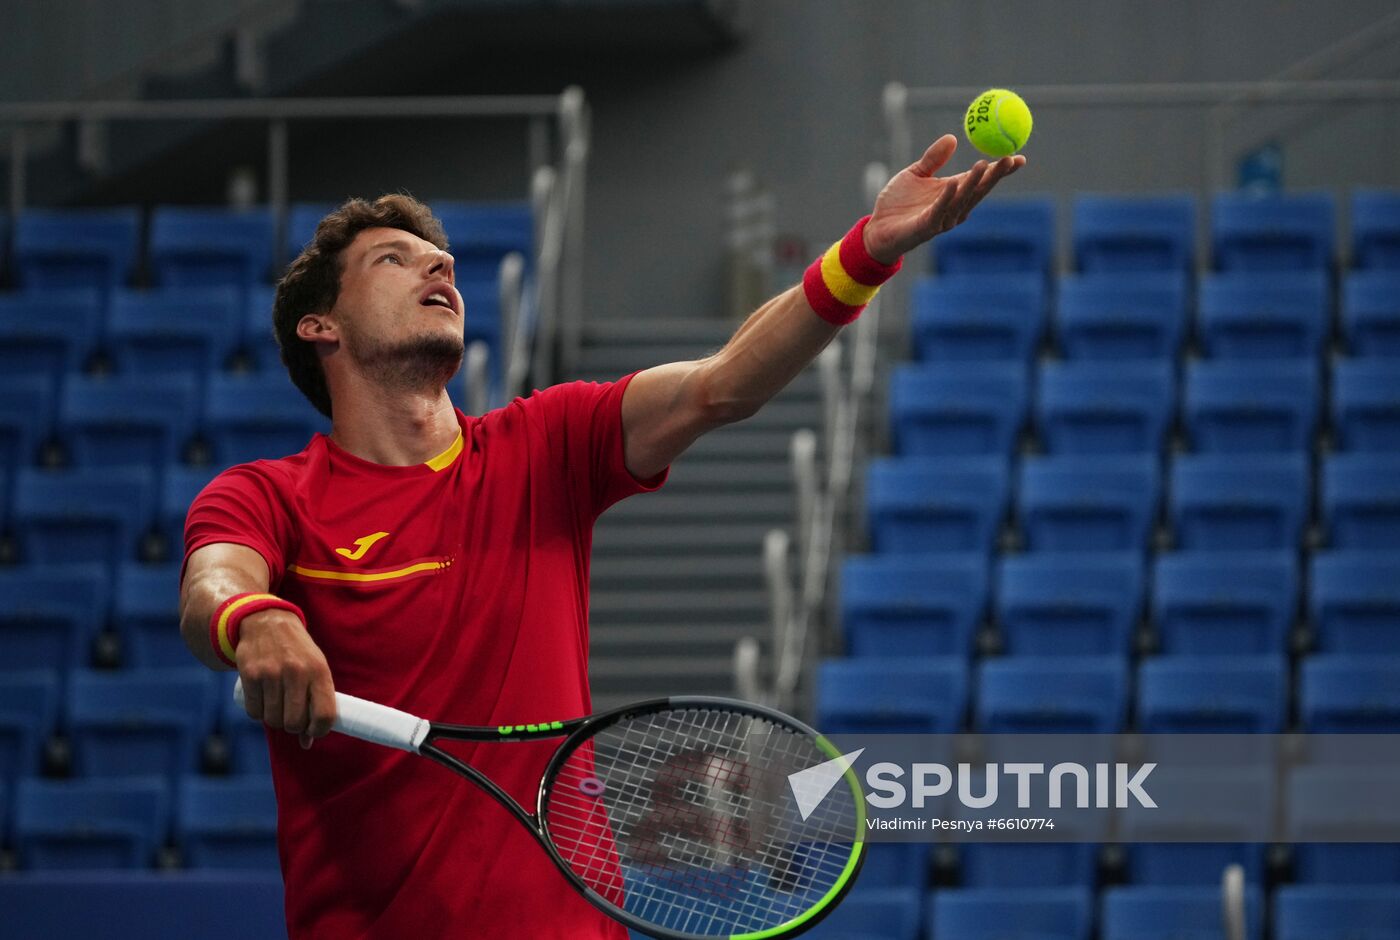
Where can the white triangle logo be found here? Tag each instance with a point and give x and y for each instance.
(810, 786)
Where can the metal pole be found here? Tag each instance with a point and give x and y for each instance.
(18, 157)
(277, 159)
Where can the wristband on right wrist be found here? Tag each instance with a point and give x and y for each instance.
(841, 282)
(224, 624)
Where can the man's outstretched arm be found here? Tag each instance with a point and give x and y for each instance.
(667, 407)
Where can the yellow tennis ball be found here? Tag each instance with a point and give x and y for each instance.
(998, 122)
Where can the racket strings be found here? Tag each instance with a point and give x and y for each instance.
(685, 818)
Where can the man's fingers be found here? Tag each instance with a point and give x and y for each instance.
(253, 700)
(272, 702)
(1002, 169)
(295, 703)
(938, 153)
(322, 704)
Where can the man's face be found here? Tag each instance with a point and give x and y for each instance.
(399, 314)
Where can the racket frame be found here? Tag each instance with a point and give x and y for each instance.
(578, 730)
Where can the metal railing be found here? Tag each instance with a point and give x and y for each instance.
(1224, 99)
(547, 312)
(799, 599)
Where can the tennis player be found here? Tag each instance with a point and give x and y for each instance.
(438, 562)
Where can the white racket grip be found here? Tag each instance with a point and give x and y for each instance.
(370, 721)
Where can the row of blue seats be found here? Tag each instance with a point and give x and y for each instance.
(913, 691)
(1196, 602)
(1302, 912)
(116, 823)
(1158, 233)
(195, 331)
(1150, 315)
(1082, 502)
(140, 722)
(1229, 406)
(1134, 853)
(51, 616)
(204, 246)
(152, 420)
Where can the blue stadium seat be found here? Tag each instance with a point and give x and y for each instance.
(1264, 315)
(1337, 912)
(50, 613)
(1371, 313)
(258, 341)
(480, 234)
(1012, 914)
(1010, 235)
(1088, 503)
(958, 408)
(210, 247)
(146, 616)
(1213, 694)
(246, 738)
(1375, 229)
(1361, 500)
(302, 219)
(481, 301)
(48, 333)
(912, 605)
(1061, 694)
(1239, 501)
(128, 420)
(1328, 807)
(905, 694)
(82, 515)
(936, 504)
(1252, 406)
(1134, 233)
(1069, 603)
(26, 419)
(251, 417)
(1174, 913)
(90, 824)
(895, 865)
(69, 248)
(1366, 404)
(227, 823)
(1355, 601)
(28, 713)
(1350, 693)
(1029, 864)
(1206, 603)
(157, 905)
(140, 722)
(1219, 804)
(968, 318)
(1105, 407)
(180, 487)
(877, 913)
(1122, 316)
(185, 330)
(1273, 233)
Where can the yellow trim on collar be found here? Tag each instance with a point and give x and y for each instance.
(445, 458)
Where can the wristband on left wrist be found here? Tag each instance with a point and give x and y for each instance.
(846, 278)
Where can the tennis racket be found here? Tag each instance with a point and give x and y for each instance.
(674, 816)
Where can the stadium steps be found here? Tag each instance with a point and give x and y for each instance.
(677, 575)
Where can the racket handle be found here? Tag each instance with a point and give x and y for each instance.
(370, 721)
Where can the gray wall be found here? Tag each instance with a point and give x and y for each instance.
(798, 104)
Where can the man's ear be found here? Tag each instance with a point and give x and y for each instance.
(318, 328)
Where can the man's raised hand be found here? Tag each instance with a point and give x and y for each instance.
(915, 205)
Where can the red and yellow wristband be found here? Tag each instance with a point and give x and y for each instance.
(223, 625)
(841, 282)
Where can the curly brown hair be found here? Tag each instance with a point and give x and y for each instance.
(312, 281)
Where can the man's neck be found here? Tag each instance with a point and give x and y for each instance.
(396, 429)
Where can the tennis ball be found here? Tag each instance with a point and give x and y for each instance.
(998, 122)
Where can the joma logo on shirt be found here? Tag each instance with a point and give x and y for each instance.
(362, 546)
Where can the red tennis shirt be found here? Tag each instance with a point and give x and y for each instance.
(456, 590)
